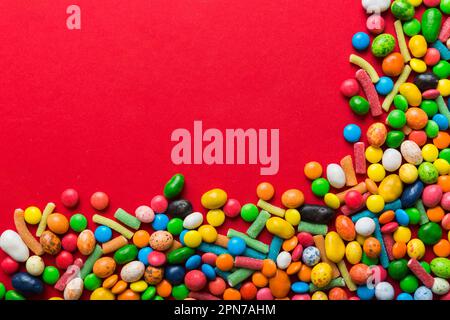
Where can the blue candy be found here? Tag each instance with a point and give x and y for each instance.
(300, 287)
(143, 255)
(103, 234)
(311, 256)
(160, 222)
(441, 121)
(27, 284)
(402, 217)
(423, 293)
(208, 271)
(405, 296)
(193, 262)
(360, 41)
(352, 133)
(236, 246)
(411, 194)
(365, 293)
(182, 234)
(174, 274)
(274, 248)
(384, 86)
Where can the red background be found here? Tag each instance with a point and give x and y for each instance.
(94, 109)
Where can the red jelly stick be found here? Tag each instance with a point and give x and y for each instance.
(347, 211)
(420, 273)
(445, 31)
(369, 90)
(72, 272)
(388, 243)
(248, 263)
(202, 296)
(360, 159)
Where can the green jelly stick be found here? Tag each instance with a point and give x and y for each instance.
(442, 106)
(258, 225)
(238, 276)
(423, 213)
(127, 219)
(271, 208)
(337, 282)
(313, 228)
(89, 263)
(252, 243)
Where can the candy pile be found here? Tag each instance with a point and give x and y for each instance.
(382, 231)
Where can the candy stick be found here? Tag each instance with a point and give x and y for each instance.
(175, 245)
(275, 247)
(389, 244)
(313, 228)
(445, 31)
(443, 108)
(420, 273)
(202, 296)
(363, 64)
(223, 274)
(222, 241)
(384, 259)
(363, 214)
(252, 243)
(319, 242)
(248, 263)
(423, 213)
(347, 211)
(347, 166)
(89, 263)
(43, 224)
(277, 211)
(258, 225)
(114, 244)
(360, 187)
(73, 271)
(401, 79)
(127, 219)
(113, 225)
(25, 234)
(369, 90)
(443, 50)
(346, 276)
(401, 41)
(249, 252)
(359, 149)
(238, 276)
(208, 247)
(338, 282)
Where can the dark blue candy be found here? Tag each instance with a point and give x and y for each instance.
(174, 274)
(27, 284)
(411, 194)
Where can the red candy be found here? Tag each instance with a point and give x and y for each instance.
(209, 258)
(69, 198)
(431, 3)
(389, 227)
(297, 253)
(432, 57)
(232, 208)
(9, 266)
(305, 239)
(156, 258)
(195, 280)
(99, 200)
(248, 291)
(419, 137)
(217, 286)
(69, 242)
(64, 259)
(350, 88)
(159, 204)
(353, 199)
(264, 294)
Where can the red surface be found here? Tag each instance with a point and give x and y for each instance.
(94, 109)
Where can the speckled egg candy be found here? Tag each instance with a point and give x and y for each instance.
(50, 243)
(440, 286)
(321, 274)
(132, 271)
(161, 240)
(382, 45)
(145, 214)
(86, 242)
(376, 134)
(345, 228)
(441, 267)
(411, 152)
(311, 256)
(153, 275)
(104, 267)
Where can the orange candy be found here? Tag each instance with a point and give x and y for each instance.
(248, 291)
(119, 287)
(444, 183)
(292, 198)
(128, 295)
(337, 294)
(225, 262)
(442, 140)
(416, 118)
(231, 294)
(305, 273)
(269, 268)
(58, 223)
(419, 137)
(164, 288)
(435, 214)
(359, 273)
(109, 282)
(290, 244)
(372, 247)
(293, 268)
(313, 170)
(345, 228)
(393, 64)
(259, 280)
(399, 250)
(442, 248)
(141, 238)
(387, 217)
(265, 191)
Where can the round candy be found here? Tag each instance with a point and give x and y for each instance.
(92, 282)
(35, 265)
(9, 266)
(58, 223)
(195, 280)
(215, 217)
(311, 256)
(352, 133)
(411, 27)
(159, 204)
(99, 200)
(292, 198)
(145, 214)
(160, 222)
(320, 187)
(50, 275)
(78, 222)
(409, 283)
(384, 86)
(103, 234)
(143, 255)
(232, 208)
(423, 293)
(393, 65)
(359, 105)
(192, 239)
(313, 170)
(265, 191)
(384, 291)
(32, 215)
(64, 259)
(360, 41)
(69, 198)
(236, 246)
(249, 212)
(349, 88)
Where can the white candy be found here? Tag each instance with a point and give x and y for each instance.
(335, 175)
(35, 265)
(384, 291)
(193, 221)
(440, 286)
(365, 226)
(145, 214)
(132, 271)
(13, 245)
(284, 260)
(376, 6)
(392, 160)
(411, 152)
(74, 289)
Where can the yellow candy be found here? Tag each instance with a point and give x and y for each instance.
(208, 233)
(319, 295)
(139, 286)
(353, 252)
(280, 227)
(334, 247)
(321, 274)
(373, 154)
(214, 199)
(332, 201)
(375, 203)
(415, 249)
(32, 215)
(390, 188)
(444, 87)
(376, 172)
(102, 294)
(411, 93)
(415, 3)
(402, 234)
(215, 217)
(360, 239)
(192, 239)
(292, 216)
(429, 152)
(408, 173)
(442, 166)
(418, 46)
(418, 65)
(55, 298)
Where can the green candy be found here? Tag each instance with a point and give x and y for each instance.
(428, 173)
(320, 187)
(403, 10)
(409, 283)
(442, 69)
(368, 261)
(430, 107)
(411, 27)
(174, 186)
(441, 267)
(396, 119)
(92, 282)
(149, 293)
(430, 233)
(398, 269)
(2, 291)
(445, 6)
(426, 266)
(432, 129)
(180, 292)
(249, 212)
(382, 45)
(394, 138)
(400, 102)
(78, 222)
(359, 105)
(175, 226)
(180, 255)
(14, 295)
(445, 154)
(159, 298)
(414, 215)
(50, 275)
(126, 254)
(431, 24)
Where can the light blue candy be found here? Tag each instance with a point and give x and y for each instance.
(274, 248)
(360, 41)
(236, 246)
(441, 121)
(208, 247)
(143, 255)
(384, 86)
(352, 133)
(103, 234)
(300, 287)
(160, 222)
(251, 253)
(208, 271)
(193, 262)
(402, 217)
(405, 296)
(443, 50)
(423, 293)
(384, 259)
(365, 293)
(181, 237)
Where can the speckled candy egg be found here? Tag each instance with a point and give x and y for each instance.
(161, 240)
(441, 267)
(382, 45)
(153, 275)
(104, 267)
(311, 256)
(440, 286)
(35, 265)
(423, 293)
(74, 289)
(359, 273)
(86, 242)
(411, 152)
(345, 228)
(50, 242)
(132, 271)
(376, 134)
(384, 291)
(145, 214)
(321, 274)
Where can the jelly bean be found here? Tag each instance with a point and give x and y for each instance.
(403, 10)
(174, 186)
(411, 93)
(292, 198)
(431, 24)
(418, 46)
(214, 199)
(359, 105)
(280, 227)
(334, 247)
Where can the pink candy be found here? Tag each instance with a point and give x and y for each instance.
(264, 294)
(156, 258)
(145, 214)
(445, 201)
(69, 198)
(209, 258)
(232, 208)
(297, 252)
(375, 24)
(305, 239)
(349, 88)
(69, 242)
(159, 204)
(432, 195)
(389, 227)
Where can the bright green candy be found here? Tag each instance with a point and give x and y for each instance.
(174, 186)
(398, 269)
(180, 292)
(126, 254)
(441, 267)
(179, 255)
(50, 275)
(158, 298)
(430, 107)
(403, 10)
(396, 119)
(149, 293)
(430, 233)
(411, 27)
(400, 102)
(432, 129)
(445, 154)
(320, 187)
(442, 69)
(92, 282)
(394, 138)
(414, 215)
(409, 283)
(368, 261)
(382, 45)
(359, 105)
(428, 173)
(175, 226)
(249, 212)
(426, 266)
(431, 24)
(78, 222)
(445, 6)
(13, 295)
(2, 291)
